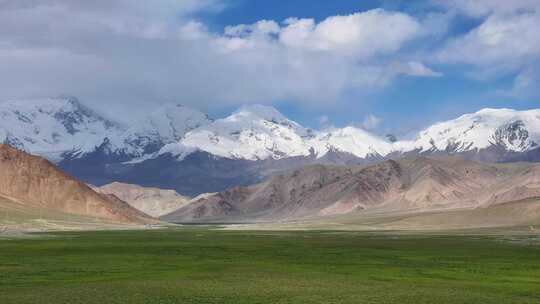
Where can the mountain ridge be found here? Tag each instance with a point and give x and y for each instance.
(256, 140)
(253, 132)
(419, 184)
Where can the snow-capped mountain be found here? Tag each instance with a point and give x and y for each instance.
(166, 125)
(62, 128)
(191, 153)
(54, 127)
(254, 132)
(59, 128)
(351, 140)
(515, 131)
(259, 132)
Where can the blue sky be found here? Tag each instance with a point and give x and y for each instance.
(389, 66)
(408, 103)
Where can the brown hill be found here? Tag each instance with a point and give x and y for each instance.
(522, 185)
(34, 182)
(152, 201)
(418, 184)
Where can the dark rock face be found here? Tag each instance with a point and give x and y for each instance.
(198, 173)
(13, 142)
(514, 133)
(391, 138)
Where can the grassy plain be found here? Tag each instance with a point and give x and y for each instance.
(201, 265)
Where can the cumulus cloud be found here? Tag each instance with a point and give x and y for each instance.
(111, 52)
(478, 8)
(362, 34)
(499, 40)
(505, 43)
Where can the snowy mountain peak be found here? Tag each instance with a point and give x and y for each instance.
(172, 120)
(494, 112)
(253, 132)
(513, 136)
(515, 130)
(352, 140)
(166, 124)
(54, 126)
(259, 132)
(256, 110)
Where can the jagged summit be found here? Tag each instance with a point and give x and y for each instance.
(63, 127)
(54, 126)
(513, 130)
(167, 124)
(262, 111)
(253, 132)
(353, 140)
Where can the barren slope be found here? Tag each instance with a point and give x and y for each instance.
(408, 185)
(35, 182)
(152, 201)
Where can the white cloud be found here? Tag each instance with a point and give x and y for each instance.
(323, 120)
(261, 27)
(133, 52)
(500, 40)
(525, 84)
(415, 68)
(362, 34)
(371, 122)
(359, 35)
(505, 43)
(480, 8)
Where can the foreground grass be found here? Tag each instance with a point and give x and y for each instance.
(205, 266)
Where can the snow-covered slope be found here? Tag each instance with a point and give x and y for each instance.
(167, 124)
(352, 140)
(513, 130)
(253, 132)
(258, 132)
(60, 128)
(53, 126)
(261, 132)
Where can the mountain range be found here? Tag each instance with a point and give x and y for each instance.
(192, 154)
(418, 186)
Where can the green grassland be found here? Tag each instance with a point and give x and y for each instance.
(197, 265)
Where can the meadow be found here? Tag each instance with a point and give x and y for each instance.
(200, 265)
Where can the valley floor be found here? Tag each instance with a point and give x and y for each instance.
(201, 265)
